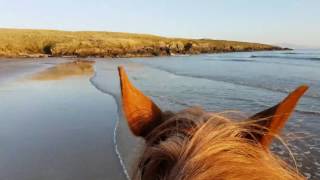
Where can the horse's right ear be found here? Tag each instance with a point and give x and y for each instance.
(272, 120)
(141, 113)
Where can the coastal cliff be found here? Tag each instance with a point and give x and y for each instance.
(44, 43)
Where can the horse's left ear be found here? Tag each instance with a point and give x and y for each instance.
(272, 120)
(141, 113)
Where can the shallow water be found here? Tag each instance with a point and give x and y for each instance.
(246, 82)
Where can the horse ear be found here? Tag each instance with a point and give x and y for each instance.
(274, 118)
(141, 113)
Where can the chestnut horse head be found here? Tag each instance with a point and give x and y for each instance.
(194, 144)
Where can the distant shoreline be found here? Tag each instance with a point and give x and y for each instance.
(25, 43)
(40, 56)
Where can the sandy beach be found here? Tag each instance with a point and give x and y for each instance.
(55, 126)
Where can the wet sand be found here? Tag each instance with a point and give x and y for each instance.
(56, 128)
(65, 70)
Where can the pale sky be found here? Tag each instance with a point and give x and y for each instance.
(293, 22)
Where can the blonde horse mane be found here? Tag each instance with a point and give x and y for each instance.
(193, 144)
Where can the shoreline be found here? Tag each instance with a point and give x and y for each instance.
(40, 56)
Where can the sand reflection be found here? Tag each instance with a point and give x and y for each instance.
(65, 70)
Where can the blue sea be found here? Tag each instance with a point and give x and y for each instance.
(73, 128)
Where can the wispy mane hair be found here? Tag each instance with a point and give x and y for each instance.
(193, 144)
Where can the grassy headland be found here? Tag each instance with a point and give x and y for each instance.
(41, 43)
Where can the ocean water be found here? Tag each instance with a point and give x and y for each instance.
(247, 82)
(74, 129)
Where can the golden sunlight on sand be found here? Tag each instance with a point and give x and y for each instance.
(61, 71)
